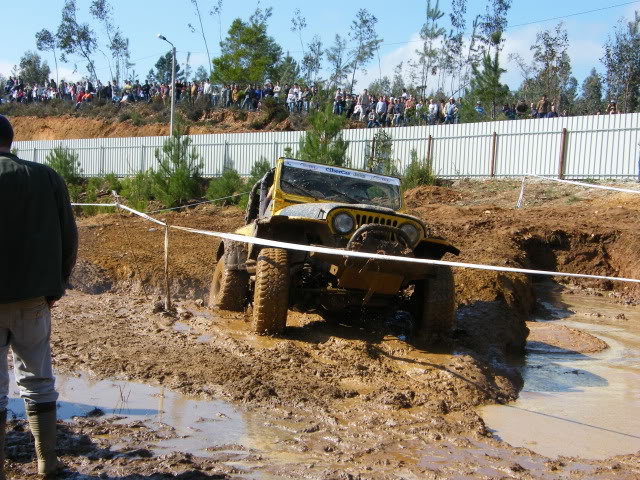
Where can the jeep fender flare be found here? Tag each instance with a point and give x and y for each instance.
(234, 253)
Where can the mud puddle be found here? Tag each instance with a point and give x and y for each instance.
(202, 428)
(578, 404)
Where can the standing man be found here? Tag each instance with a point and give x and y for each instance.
(38, 247)
(543, 107)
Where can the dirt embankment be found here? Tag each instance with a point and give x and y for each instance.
(69, 127)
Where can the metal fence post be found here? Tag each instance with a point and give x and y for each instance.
(373, 153)
(35, 154)
(563, 154)
(494, 151)
(429, 148)
(226, 155)
(142, 158)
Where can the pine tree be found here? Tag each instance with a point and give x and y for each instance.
(429, 34)
(249, 54)
(485, 84)
(177, 176)
(323, 142)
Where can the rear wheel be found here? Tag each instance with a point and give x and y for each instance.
(271, 293)
(228, 288)
(434, 306)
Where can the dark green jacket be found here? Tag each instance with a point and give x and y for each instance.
(38, 235)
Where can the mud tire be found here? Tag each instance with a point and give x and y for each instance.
(435, 307)
(228, 288)
(271, 293)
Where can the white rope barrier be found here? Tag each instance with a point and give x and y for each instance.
(140, 214)
(586, 185)
(376, 256)
(199, 203)
(94, 205)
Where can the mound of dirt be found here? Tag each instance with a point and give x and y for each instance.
(70, 127)
(547, 337)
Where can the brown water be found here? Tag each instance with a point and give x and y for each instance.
(201, 427)
(574, 404)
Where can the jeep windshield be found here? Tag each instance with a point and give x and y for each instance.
(335, 184)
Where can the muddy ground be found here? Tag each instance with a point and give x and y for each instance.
(344, 400)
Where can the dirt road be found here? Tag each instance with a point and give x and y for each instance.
(345, 400)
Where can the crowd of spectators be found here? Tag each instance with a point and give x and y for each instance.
(374, 111)
(248, 97)
(387, 111)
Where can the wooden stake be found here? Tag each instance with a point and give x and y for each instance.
(167, 300)
(563, 154)
(494, 154)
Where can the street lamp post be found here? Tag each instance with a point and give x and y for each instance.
(173, 82)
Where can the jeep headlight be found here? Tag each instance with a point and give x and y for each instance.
(343, 223)
(411, 231)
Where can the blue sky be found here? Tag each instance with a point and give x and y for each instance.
(398, 23)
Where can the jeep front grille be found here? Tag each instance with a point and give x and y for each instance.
(376, 219)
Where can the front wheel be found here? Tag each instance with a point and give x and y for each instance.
(228, 288)
(271, 292)
(434, 306)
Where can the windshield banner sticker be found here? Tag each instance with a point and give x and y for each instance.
(317, 167)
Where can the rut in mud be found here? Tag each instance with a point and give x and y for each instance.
(349, 397)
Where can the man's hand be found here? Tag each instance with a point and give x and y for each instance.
(52, 304)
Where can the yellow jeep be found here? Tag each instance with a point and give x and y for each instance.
(313, 204)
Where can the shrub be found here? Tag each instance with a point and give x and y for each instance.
(382, 160)
(272, 111)
(137, 119)
(157, 105)
(226, 185)
(195, 111)
(65, 162)
(124, 116)
(323, 143)
(177, 178)
(419, 172)
(138, 190)
(91, 195)
(111, 182)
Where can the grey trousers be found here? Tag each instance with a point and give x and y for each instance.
(25, 326)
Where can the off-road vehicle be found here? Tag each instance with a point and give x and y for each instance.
(313, 204)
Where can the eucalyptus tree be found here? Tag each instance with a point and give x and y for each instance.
(117, 43)
(76, 38)
(312, 61)
(493, 22)
(47, 42)
(193, 29)
(366, 41)
(298, 24)
(216, 11)
(337, 58)
(622, 62)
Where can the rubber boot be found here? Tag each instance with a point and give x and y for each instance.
(42, 420)
(3, 432)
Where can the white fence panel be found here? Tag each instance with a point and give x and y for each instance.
(594, 147)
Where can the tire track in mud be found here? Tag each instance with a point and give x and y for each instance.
(349, 394)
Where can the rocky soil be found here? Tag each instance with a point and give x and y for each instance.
(346, 400)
